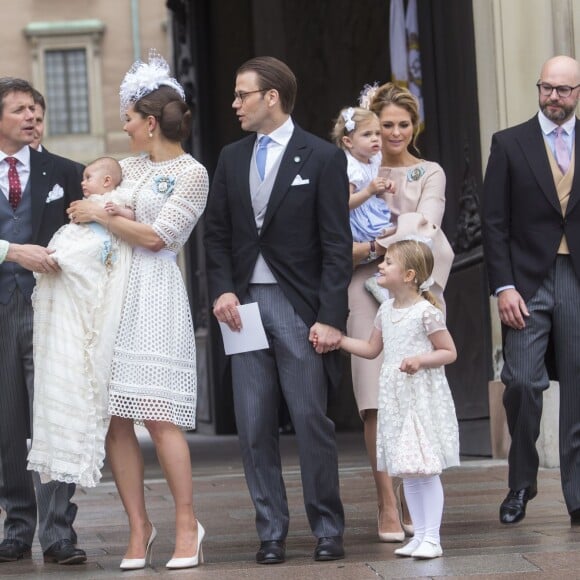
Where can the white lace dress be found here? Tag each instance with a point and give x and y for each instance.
(417, 431)
(153, 373)
(76, 316)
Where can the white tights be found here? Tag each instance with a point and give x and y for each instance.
(424, 497)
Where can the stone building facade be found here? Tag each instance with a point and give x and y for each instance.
(76, 53)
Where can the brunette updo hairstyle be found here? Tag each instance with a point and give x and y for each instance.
(172, 114)
(393, 94)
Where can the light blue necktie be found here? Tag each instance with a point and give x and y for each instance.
(261, 154)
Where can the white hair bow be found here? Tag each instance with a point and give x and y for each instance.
(427, 284)
(349, 123)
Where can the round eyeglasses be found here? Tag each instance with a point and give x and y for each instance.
(563, 90)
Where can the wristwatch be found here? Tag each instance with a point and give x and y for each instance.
(373, 253)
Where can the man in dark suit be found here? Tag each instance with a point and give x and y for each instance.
(532, 251)
(277, 233)
(36, 188)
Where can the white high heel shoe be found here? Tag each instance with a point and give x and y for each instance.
(176, 563)
(407, 528)
(388, 536)
(138, 563)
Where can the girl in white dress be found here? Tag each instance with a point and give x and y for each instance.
(76, 316)
(153, 377)
(417, 433)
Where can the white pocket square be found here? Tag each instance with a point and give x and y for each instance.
(299, 181)
(55, 193)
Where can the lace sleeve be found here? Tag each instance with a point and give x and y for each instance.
(433, 320)
(184, 207)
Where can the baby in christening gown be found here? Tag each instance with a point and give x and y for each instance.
(76, 316)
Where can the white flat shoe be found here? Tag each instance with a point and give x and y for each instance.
(138, 563)
(407, 550)
(428, 550)
(178, 563)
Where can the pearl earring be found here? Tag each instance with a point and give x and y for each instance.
(150, 135)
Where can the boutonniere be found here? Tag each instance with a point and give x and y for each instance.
(164, 184)
(415, 174)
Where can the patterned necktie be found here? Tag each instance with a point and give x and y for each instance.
(261, 154)
(562, 155)
(14, 188)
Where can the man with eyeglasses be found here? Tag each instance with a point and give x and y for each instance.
(532, 250)
(277, 234)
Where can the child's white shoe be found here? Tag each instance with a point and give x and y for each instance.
(428, 550)
(408, 549)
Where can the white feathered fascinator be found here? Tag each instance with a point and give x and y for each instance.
(144, 77)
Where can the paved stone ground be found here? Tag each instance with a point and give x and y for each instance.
(475, 544)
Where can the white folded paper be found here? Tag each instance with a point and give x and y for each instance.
(251, 337)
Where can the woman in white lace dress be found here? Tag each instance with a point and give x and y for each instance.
(417, 433)
(153, 377)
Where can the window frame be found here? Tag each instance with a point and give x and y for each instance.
(71, 35)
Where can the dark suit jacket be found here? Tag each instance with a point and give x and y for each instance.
(523, 222)
(47, 170)
(305, 239)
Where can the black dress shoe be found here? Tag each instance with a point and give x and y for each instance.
(271, 552)
(513, 508)
(65, 552)
(12, 550)
(329, 549)
(575, 517)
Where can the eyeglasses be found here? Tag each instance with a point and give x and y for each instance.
(563, 90)
(241, 95)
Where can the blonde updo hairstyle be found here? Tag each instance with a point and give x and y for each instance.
(172, 113)
(392, 94)
(359, 115)
(417, 256)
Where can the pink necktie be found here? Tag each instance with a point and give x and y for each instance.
(562, 155)
(14, 188)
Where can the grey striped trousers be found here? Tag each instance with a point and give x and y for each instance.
(555, 310)
(21, 490)
(292, 369)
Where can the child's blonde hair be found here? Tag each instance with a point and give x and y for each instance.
(347, 121)
(413, 254)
